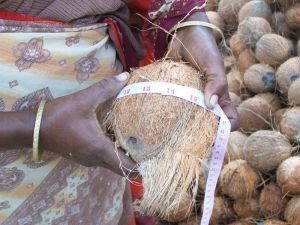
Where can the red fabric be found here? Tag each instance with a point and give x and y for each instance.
(6, 15)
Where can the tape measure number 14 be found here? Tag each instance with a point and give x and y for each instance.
(194, 96)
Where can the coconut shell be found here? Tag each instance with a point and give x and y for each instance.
(161, 133)
(278, 116)
(279, 25)
(258, 153)
(260, 78)
(285, 4)
(292, 16)
(183, 212)
(287, 73)
(235, 82)
(273, 49)
(292, 211)
(274, 222)
(288, 176)
(238, 180)
(294, 93)
(246, 208)
(256, 112)
(236, 100)
(194, 220)
(218, 21)
(211, 5)
(228, 9)
(252, 29)
(242, 222)
(245, 60)
(237, 46)
(256, 8)
(235, 146)
(221, 212)
(229, 63)
(290, 124)
(153, 117)
(272, 201)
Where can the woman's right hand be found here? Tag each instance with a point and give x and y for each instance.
(71, 129)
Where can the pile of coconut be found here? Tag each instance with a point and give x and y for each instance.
(172, 139)
(260, 179)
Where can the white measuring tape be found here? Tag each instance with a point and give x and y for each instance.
(197, 97)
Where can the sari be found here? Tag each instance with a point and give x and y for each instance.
(48, 52)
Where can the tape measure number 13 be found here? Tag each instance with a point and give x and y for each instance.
(197, 97)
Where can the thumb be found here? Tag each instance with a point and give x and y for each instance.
(107, 88)
(215, 88)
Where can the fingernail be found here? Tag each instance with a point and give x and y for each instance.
(122, 77)
(214, 100)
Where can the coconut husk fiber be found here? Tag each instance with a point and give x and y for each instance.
(167, 136)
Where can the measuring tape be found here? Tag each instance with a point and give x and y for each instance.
(197, 97)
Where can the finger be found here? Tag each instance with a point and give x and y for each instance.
(117, 160)
(230, 111)
(105, 89)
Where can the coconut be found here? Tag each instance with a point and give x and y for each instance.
(211, 5)
(287, 73)
(246, 208)
(242, 222)
(273, 49)
(216, 20)
(237, 46)
(194, 220)
(292, 17)
(229, 63)
(271, 200)
(235, 82)
(288, 177)
(221, 211)
(256, 112)
(294, 93)
(278, 116)
(235, 99)
(285, 4)
(279, 25)
(167, 136)
(245, 60)
(238, 180)
(252, 29)
(228, 9)
(292, 211)
(183, 211)
(290, 124)
(256, 8)
(258, 153)
(235, 146)
(260, 78)
(274, 222)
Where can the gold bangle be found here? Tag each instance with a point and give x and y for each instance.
(195, 23)
(36, 133)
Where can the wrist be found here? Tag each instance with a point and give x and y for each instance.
(16, 129)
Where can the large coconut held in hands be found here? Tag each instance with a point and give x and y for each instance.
(167, 136)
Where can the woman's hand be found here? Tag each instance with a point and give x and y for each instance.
(71, 129)
(201, 51)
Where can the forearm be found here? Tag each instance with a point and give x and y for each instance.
(16, 129)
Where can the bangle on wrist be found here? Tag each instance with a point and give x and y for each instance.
(36, 133)
(194, 23)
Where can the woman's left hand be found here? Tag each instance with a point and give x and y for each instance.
(202, 52)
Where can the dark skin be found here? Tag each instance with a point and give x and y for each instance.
(70, 126)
